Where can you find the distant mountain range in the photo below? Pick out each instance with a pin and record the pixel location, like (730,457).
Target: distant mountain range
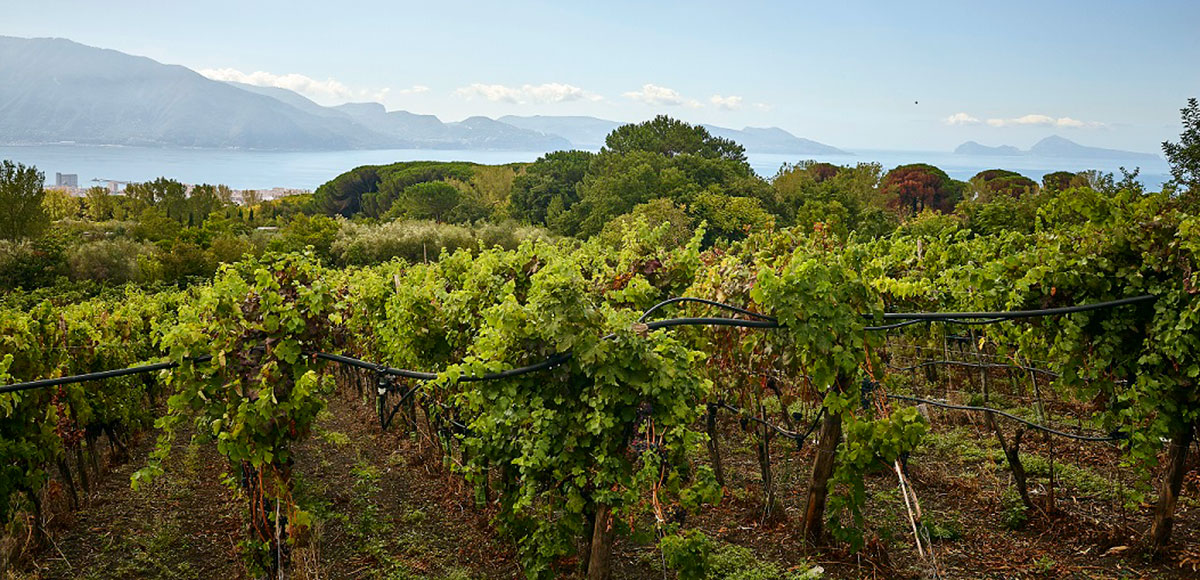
(1054,147)
(59,91)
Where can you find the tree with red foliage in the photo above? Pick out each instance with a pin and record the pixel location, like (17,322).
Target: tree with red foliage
(911,189)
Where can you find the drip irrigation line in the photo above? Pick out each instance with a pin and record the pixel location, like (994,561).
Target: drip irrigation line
(729,307)
(1015,314)
(763,322)
(913,321)
(96,376)
(957,363)
(1116,436)
(670,322)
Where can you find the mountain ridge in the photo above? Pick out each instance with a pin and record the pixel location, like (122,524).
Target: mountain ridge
(54,90)
(1054,146)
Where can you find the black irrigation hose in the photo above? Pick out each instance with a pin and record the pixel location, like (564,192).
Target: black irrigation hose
(776,428)
(1015,314)
(97,376)
(557,359)
(930,363)
(729,307)
(1116,436)
(927,321)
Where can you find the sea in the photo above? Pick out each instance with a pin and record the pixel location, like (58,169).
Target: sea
(243,169)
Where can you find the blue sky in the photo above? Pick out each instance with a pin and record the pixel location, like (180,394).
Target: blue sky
(884,75)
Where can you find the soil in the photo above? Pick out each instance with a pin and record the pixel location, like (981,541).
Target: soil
(386,507)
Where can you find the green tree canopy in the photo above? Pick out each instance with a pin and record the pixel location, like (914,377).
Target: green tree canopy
(1062,180)
(1001,182)
(21,196)
(431,200)
(670,137)
(551,180)
(1184,156)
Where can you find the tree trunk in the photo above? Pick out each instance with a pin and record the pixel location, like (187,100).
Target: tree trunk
(770,503)
(818,488)
(1013,455)
(600,560)
(84,480)
(1164,512)
(65,471)
(39,533)
(714,450)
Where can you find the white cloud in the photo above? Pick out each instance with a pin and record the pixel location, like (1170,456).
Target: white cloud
(658,96)
(1044,121)
(763,107)
(961,119)
(728,103)
(543,93)
(326,91)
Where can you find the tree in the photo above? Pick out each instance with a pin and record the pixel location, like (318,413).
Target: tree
(1062,181)
(1184,156)
(251,198)
(432,200)
(204,200)
(554,176)
(98,204)
(843,198)
(671,137)
(225,194)
(990,183)
(21,196)
(910,189)
(158,191)
(61,205)
(663,158)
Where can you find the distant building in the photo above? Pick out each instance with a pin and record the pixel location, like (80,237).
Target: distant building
(70,180)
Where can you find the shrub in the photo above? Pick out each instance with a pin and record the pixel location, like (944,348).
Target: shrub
(420,241)
(108,261)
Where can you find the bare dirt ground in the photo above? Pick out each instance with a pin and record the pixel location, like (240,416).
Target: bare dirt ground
(387,508)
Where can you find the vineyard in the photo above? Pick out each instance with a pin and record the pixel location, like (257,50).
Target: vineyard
(585,397)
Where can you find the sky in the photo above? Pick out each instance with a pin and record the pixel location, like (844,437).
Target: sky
(910,75)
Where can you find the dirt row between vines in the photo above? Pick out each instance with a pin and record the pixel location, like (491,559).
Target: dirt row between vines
(387,508)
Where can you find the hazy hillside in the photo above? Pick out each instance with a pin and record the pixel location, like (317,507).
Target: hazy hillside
(973,148)
(774,140)
(589,133)
(1054,147)
(582,132)
(54,90)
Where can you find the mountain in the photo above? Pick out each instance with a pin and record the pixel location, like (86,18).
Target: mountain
(485,133)
(582,132)
(589,133)
(774,140)
(973,148)
(55,90)
(1054,147)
